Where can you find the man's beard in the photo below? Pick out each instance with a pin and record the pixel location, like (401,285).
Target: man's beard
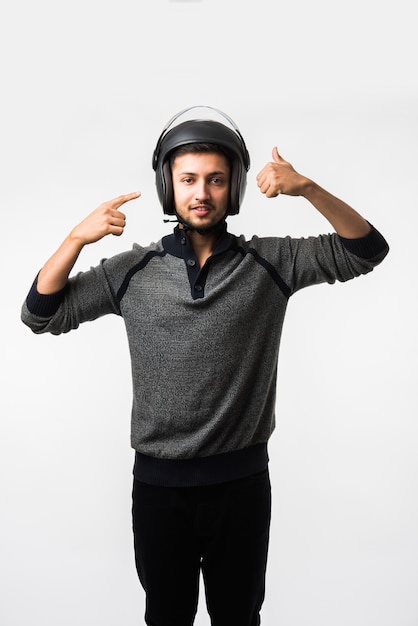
(211,229)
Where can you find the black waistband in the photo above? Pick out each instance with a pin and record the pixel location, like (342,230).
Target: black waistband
(202,470)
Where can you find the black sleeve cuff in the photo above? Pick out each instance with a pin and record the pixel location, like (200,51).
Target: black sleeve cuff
(43,305)
(368,247)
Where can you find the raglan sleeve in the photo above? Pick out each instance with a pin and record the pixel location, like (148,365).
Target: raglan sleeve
(87,296)
(330,258)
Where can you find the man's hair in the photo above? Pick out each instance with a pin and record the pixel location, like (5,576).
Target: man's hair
(199,148)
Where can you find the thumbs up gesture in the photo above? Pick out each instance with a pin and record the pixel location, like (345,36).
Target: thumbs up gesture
(279,176)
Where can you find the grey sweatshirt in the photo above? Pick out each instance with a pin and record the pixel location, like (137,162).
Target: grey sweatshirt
(204,342)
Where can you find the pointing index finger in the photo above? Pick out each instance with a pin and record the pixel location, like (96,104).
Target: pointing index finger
(119,200)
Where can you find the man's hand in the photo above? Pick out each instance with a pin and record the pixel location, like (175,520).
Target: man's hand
(105,220)
(279,176)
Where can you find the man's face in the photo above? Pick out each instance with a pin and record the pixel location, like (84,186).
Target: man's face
(201,188)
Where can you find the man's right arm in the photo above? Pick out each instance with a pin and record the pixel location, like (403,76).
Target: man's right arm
(105,220)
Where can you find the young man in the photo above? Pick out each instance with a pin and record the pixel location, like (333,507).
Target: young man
(203,311)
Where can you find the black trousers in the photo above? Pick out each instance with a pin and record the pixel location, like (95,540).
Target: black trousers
(222,530)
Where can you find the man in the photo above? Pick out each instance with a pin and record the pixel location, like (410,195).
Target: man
(203,311)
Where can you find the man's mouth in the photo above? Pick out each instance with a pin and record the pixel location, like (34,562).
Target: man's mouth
(201,209)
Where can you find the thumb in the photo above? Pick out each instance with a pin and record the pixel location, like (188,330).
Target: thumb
(276,156)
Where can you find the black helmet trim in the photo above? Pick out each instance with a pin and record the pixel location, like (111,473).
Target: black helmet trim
(201,131)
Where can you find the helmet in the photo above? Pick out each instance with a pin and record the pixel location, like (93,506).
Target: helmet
(196,131)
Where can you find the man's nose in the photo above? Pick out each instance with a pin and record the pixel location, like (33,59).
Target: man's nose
(202,190)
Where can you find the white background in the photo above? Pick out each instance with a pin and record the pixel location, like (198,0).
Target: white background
(86,89)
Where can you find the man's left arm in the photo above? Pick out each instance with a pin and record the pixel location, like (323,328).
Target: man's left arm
(280,177)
